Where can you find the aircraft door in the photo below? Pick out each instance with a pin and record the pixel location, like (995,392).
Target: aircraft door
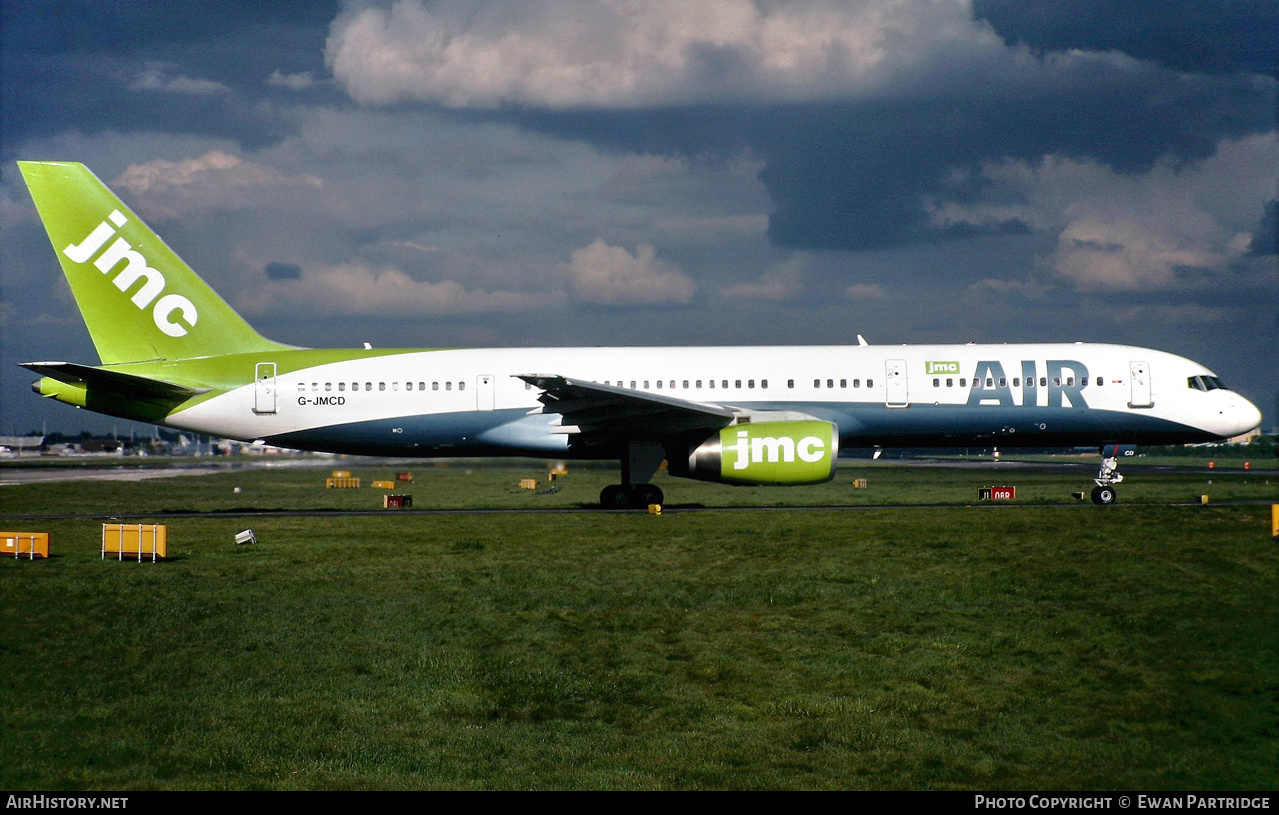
(264,388)
(1139,376)
(895,376)
(485,392)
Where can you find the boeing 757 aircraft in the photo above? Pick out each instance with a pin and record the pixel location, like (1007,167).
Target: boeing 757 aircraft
(173,353)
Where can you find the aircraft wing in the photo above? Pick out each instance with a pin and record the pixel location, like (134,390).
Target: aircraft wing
(605,411)
(118,381)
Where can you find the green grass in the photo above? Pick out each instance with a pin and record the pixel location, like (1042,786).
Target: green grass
(951,647)
(460,484)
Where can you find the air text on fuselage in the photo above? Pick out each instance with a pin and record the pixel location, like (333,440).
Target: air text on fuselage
(1061,381)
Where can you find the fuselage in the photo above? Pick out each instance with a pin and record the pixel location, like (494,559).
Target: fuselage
(470,401)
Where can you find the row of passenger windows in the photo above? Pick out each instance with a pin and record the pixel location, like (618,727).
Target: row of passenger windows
(1003,382)
(368,386)
(709,384)
(634,384)
(724,384)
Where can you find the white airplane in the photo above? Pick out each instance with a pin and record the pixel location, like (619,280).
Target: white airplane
(175,354)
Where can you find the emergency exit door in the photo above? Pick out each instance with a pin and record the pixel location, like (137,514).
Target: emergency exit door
(264,388)
(1139,376)
(485,392)
(897,392)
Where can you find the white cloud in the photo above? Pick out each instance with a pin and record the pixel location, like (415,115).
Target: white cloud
(864,291)
(1128,232)
(605,275)
(359,289)
(162,76)
(294,82)
(623,53)
(167,189)
(782,282)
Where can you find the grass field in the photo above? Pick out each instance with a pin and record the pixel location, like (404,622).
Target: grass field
(940,646)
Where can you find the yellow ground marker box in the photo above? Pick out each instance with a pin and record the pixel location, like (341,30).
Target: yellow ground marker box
(384,485)
(342,483)
(140,540)
(30,545)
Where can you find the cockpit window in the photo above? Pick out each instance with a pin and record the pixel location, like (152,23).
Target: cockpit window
(1205,383)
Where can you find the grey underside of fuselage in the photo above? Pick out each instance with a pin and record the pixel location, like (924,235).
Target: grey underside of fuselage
(516,433)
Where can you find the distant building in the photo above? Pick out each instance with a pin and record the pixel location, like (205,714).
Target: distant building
(1246,438)
(21,444)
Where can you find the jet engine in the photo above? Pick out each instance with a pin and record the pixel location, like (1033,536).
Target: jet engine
(783,452)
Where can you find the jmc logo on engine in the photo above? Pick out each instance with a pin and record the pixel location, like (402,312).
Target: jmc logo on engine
(779,452)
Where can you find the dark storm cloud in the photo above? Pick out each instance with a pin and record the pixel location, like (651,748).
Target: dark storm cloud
(178,67)
(854,175)
(1265,241)
(283,271)
(1202,36)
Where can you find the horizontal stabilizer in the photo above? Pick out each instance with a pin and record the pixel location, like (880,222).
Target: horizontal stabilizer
(104,379)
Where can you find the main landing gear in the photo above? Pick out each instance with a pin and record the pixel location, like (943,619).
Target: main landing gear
(638,465)
(1107,477)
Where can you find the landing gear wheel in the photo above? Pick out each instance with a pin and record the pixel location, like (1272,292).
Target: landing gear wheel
(615,496)
(646,494)
(1103,495)
(636,496)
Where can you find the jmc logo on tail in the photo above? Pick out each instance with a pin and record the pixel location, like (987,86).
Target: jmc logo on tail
(173,314)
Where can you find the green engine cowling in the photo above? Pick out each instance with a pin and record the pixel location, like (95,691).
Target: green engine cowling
(782,452)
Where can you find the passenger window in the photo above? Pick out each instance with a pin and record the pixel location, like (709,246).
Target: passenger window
(843,383)
(448,386)
(950,383)
(763,384)
(368,386)
(381,386)
(790,383)
(870,383)
(936,383)
(750,383)
(461,386)
(738,384)
(328,386)
(341,386)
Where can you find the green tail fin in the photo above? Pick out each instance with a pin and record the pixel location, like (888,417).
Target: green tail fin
(139,300)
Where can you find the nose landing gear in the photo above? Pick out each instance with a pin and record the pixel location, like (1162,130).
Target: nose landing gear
(1107,477)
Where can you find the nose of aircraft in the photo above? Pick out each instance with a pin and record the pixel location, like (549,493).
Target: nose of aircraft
(1244,416)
